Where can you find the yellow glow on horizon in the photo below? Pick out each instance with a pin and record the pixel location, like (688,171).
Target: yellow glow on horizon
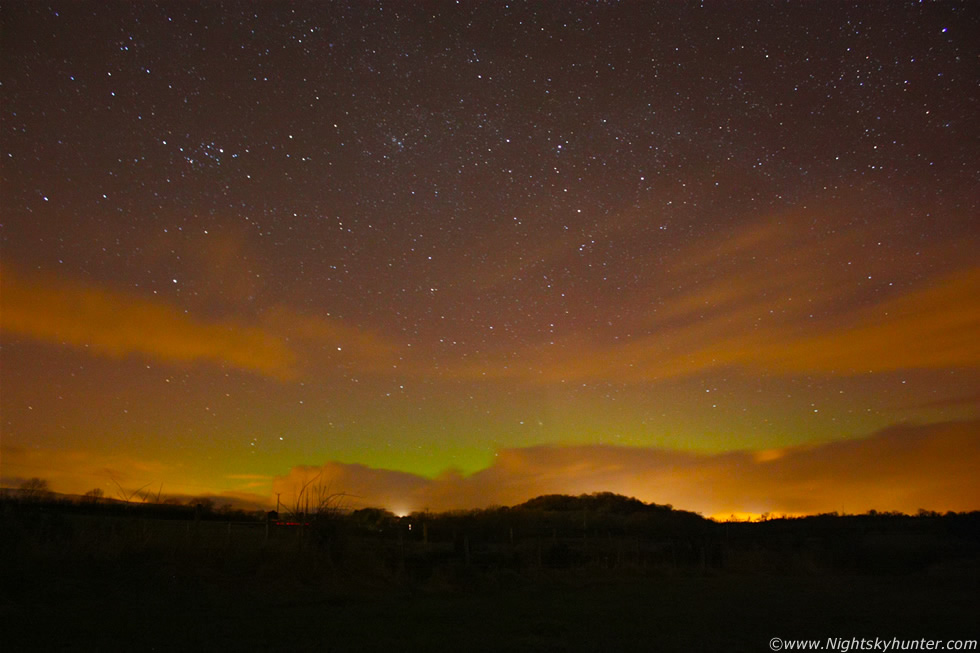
(740,516)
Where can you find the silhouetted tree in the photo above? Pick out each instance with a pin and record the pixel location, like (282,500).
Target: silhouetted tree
(35,489)
(94,495)
(203,505)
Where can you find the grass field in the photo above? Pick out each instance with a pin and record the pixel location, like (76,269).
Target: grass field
(142,584)
(153,604)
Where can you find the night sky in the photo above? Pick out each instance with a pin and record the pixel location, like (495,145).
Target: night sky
(450,254)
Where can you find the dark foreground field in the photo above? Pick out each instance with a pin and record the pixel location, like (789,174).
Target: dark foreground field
(137,584)
(137,606)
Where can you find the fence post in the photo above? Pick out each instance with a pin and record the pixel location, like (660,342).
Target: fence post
(401,552)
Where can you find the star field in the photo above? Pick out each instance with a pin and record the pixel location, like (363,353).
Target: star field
(241,237)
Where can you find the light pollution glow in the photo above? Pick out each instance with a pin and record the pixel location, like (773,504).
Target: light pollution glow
(928,328)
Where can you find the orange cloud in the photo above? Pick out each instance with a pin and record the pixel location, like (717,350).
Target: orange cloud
(900,468)
(934,327)
(775,298)
(338,342)
(120,324)
(120,475)
(77,471)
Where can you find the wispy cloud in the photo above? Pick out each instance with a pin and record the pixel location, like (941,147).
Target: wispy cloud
(122,475)
(119,324)
(329,340)
(904,467)
(933,327)
(108,322)
(79,470)
(774,297)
